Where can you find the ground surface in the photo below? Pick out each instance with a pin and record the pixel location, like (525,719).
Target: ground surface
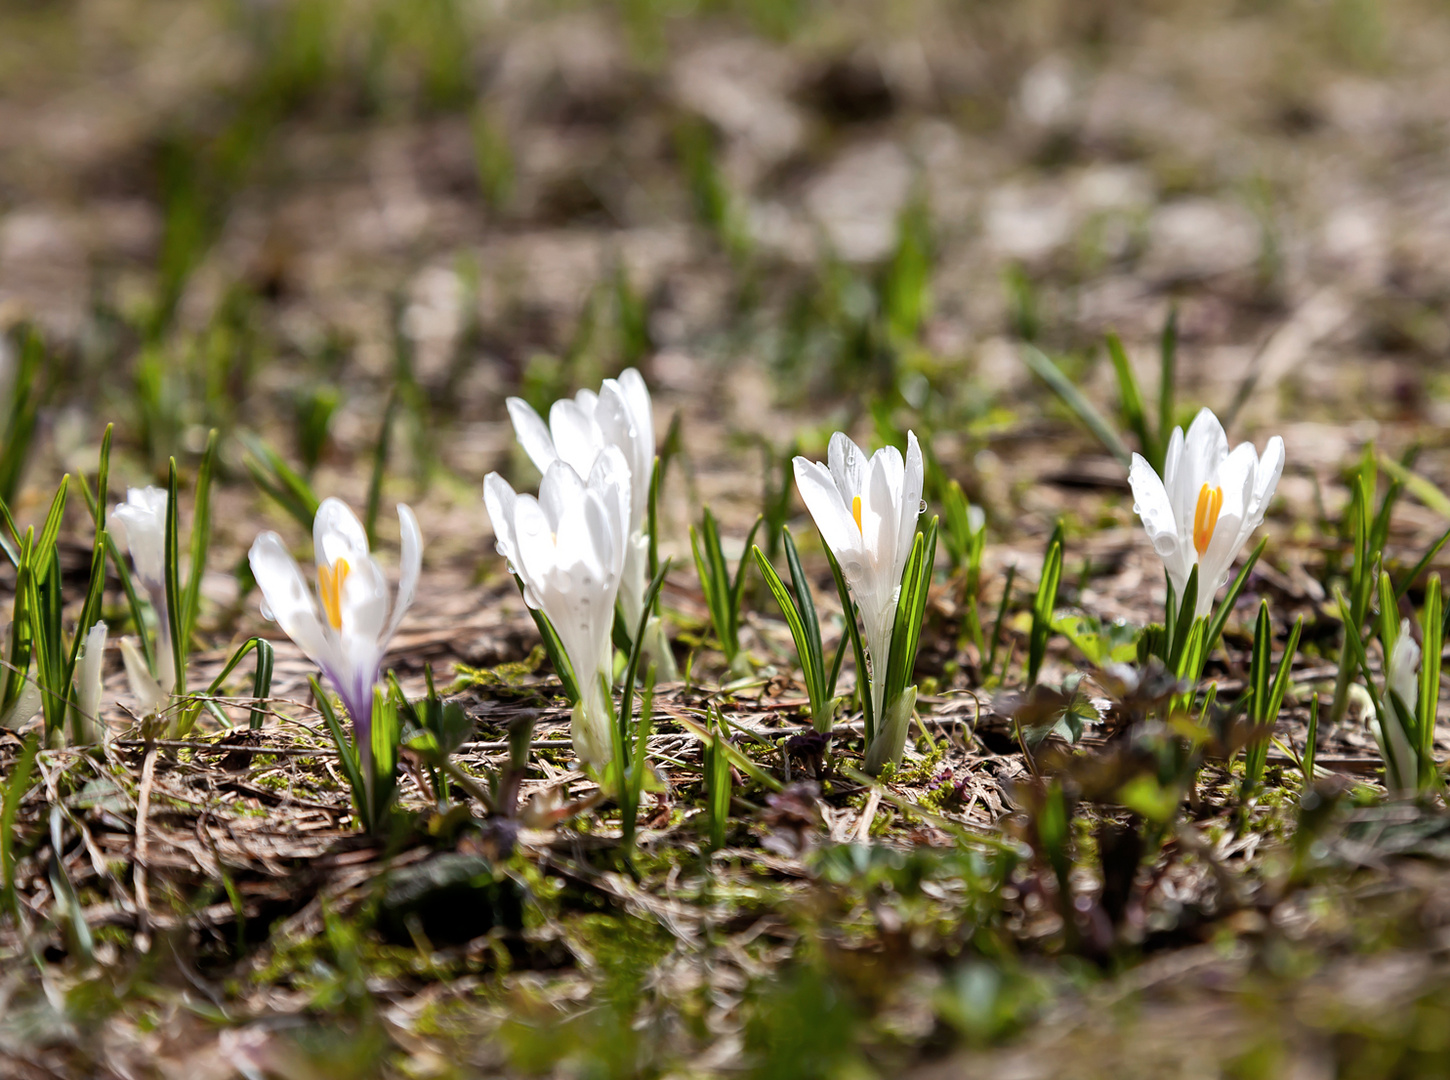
(793,217)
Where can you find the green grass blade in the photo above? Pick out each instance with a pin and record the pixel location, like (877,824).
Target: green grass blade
(1433,628)
(381,450)
(200,537)
(1418,486)
(1168,375)
(631,669)
(1130,400)
(173,613)
(15,789)
(1043,604)
(737,587)
(554,649)
(998,622)
(1073,398)
(1230,598)
(1419,568)
(346,752)
(801,586)
(793,620)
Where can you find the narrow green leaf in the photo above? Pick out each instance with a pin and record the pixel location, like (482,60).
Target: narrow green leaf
(346,752)
(1230,598)
(200,537)
(554,649)
(173,613)
(1074,399)
(1168,376)
(1130,399)
(798,633)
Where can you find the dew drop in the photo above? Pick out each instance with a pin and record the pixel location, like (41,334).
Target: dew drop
(852,568)
(921,507)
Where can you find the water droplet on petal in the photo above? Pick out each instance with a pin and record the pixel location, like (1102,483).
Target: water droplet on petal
(267,612)
(921,507)
(852,568)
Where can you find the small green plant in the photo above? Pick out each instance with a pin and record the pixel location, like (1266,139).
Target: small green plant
(1369,528)
(717,781)
(1265,698)
(723,594)
(965,536)
(799,609)
(23,396)
(278,480)
(1044,604)
(372,774)
(1406,703)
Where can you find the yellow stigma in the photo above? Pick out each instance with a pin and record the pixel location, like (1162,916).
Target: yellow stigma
(1205,518)
(856,511)
(329,587)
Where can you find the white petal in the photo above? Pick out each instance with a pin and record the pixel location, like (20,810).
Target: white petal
(618,428)
(410,567)
(562,487)
(1204,450)
(911,487)
(1266,479)
(848,465)
(499,498)
(89,666)
(636,393)
(1150,503)
(288,598)
(833,518)
(337,533)
(144,687)
(577,439)
(612,480)
(1402,669)
(880,519)
(532,434)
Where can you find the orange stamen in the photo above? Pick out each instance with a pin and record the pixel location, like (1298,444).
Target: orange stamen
(1205,518)
(856,511)
(329,587)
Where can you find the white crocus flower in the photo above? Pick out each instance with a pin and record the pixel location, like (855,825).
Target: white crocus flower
(140,524)
(344,625)
(1402,670)
(568,548)
(579,430)
(866,510)
(86,724)
(1206,504)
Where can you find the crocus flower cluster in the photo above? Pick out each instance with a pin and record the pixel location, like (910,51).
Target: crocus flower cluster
(569,548)
(579,548)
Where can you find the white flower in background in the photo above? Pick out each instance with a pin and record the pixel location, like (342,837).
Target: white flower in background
(140,524)
(568,548)
(86,726)
(344,625)
(866,510)
(1206,504)
(580,429)
(1402,670)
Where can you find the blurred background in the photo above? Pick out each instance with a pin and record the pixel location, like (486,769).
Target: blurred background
(310,223)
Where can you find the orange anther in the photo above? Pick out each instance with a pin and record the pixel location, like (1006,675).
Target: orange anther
(329,587)
(1205,518)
